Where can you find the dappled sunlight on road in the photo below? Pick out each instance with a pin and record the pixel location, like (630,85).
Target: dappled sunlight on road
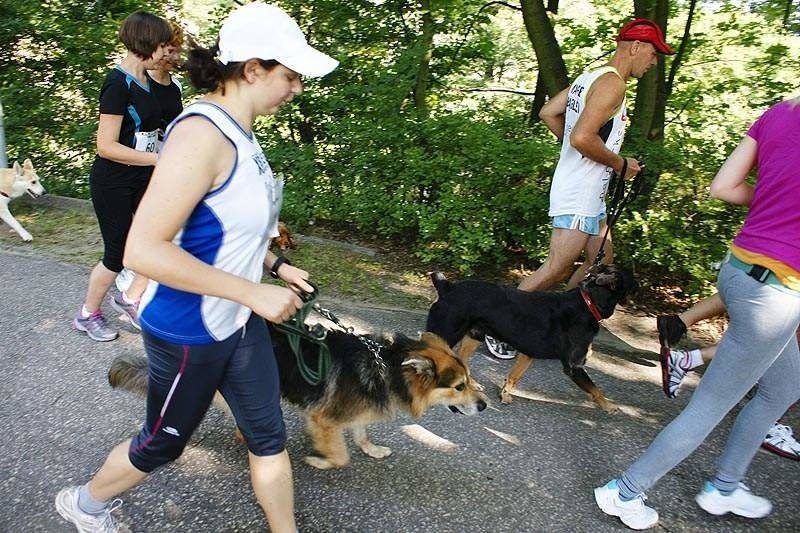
(428,438)
(512,439)
(573,401)
(47,324)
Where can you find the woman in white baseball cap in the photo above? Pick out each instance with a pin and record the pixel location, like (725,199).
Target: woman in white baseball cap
(201,236)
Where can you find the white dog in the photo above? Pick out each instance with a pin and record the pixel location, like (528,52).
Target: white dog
(14,182)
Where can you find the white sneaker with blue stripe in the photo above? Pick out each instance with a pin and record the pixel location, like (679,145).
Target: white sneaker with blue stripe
(633,513)
(740,502)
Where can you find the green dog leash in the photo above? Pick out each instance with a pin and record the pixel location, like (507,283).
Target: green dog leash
(296,329)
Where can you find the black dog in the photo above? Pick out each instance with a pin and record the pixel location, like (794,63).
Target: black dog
(540,325)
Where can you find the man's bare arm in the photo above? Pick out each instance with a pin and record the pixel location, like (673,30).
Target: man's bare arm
(602,101)
(553,113)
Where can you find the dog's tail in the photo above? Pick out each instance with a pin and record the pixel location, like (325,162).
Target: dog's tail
(440,283)
(129,372)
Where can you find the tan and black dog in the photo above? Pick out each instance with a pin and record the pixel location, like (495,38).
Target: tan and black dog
(14,182)
(540,324)
(356,392)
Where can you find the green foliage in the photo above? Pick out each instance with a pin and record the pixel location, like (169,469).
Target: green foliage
(450,187)
(54,56)
(466,184)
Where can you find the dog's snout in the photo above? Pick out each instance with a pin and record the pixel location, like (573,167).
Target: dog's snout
(481,405)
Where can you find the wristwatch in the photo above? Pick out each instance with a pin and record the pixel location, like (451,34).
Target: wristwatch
(273,270)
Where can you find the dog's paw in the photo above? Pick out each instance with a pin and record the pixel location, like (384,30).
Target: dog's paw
(321,462)
(375,451)
(505,396)
(607,406)
(474,385)
(27,237)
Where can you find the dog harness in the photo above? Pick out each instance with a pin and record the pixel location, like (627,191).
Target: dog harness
(580,184)
(229,229)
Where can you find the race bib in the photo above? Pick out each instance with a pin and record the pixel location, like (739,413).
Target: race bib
(147,141)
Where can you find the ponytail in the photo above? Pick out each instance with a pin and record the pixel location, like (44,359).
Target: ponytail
(207,72)
(204,69)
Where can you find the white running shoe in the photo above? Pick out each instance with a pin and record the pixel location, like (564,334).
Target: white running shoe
(499,349)
(781,441)
(67,507)
(671,372)
(633,513)
(740,502)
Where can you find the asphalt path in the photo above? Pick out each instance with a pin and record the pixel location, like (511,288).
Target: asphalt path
(528,466)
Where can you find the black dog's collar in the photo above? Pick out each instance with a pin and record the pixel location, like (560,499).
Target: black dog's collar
(590,304)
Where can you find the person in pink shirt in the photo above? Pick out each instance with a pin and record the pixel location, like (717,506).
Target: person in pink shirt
(759,284)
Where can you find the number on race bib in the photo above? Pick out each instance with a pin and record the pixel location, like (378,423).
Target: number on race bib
(147,141)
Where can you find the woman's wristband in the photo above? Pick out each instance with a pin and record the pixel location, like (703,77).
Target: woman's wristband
(273,270)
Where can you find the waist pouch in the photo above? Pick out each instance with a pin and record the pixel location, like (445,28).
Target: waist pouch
(759,273)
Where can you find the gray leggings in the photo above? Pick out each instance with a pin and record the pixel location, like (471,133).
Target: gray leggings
(758,347)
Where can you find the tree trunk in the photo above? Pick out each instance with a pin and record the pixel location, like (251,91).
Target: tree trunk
(651,96)
(425,44)
(552,70)
(538,100)
(787,13)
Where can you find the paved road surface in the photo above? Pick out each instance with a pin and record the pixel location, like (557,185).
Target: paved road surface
(529,466)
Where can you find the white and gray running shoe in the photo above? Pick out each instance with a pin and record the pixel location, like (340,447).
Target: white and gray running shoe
(499,349)
(131,311)
(671,372)
(67,507)
(95,326)
(780,441)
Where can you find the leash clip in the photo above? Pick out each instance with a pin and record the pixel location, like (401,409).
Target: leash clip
(308,297)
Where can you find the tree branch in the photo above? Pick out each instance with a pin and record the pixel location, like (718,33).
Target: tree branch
(673,68)
(512,91)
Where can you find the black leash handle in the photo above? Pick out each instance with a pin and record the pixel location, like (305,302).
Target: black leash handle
(620,198)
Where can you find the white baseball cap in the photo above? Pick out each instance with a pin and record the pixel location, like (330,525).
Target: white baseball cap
(263,31)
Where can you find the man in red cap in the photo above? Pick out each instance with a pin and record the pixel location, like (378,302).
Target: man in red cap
(589,117)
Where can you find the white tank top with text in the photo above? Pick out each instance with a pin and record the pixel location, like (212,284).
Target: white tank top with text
(579,183)
(230,230)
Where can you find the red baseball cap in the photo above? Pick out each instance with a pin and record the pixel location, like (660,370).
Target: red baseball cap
(646,31)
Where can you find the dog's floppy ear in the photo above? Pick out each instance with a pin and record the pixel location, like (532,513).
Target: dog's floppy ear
(421,365)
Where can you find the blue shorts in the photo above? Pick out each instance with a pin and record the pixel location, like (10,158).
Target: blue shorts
(590,225)
(182,381)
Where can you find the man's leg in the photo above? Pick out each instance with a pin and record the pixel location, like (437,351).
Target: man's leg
(590,252)
(565,247)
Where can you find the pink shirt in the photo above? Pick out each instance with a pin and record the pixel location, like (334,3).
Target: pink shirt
(772,226)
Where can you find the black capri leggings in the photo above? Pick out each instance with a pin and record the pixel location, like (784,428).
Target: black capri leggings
(115,199)
(182,381)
